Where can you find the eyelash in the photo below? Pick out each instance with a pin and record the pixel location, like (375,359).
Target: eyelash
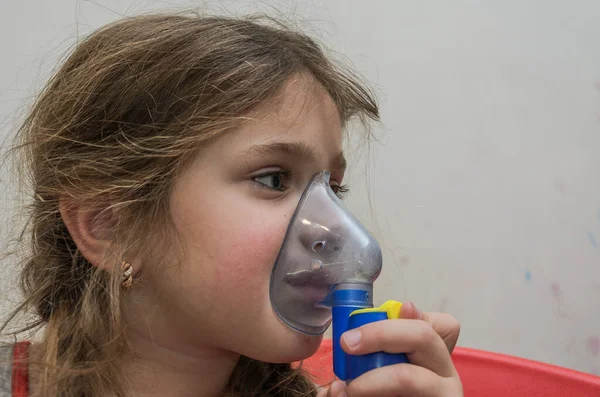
(340,190)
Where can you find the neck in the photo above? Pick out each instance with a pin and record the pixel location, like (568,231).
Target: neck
(165,370)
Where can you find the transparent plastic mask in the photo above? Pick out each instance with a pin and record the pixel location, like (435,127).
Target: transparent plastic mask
(325,247)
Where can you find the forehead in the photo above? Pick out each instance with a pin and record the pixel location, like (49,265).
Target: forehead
(302,111)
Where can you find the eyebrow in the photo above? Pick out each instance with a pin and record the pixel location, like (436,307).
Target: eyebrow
(297,149)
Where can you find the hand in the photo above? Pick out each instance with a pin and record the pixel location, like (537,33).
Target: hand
(426,338)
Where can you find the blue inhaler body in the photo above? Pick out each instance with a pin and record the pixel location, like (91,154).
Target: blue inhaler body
(324,274)
(352,307)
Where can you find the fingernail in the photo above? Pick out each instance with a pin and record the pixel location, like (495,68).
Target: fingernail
(418,313)
(352,338)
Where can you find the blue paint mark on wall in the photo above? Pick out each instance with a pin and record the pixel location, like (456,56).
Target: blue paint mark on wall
(592,239)
(528,276)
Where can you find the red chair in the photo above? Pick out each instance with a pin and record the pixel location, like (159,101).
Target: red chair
(486,374)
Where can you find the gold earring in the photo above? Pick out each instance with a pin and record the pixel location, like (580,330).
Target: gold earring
(126,275)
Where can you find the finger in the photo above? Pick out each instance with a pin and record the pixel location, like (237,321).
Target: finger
(334,390)
(410,312)
(446,326)
(403,380)
(416,338)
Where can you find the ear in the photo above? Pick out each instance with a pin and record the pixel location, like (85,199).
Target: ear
(91,228)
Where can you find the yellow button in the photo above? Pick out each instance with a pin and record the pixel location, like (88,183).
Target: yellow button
(392,308)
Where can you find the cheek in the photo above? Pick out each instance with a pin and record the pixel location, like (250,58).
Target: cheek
(232,244)
(247,253)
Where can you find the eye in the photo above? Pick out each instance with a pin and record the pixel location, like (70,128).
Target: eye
(275,180)
(340,190)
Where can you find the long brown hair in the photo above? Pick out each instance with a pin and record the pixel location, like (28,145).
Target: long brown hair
(114,126)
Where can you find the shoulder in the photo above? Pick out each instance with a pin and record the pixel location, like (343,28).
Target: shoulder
(14,373)
(6,360)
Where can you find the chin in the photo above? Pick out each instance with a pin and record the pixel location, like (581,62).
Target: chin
(287,345)
(298,352)
(298,345)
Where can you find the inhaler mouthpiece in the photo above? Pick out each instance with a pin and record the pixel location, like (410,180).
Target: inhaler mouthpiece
(325,249)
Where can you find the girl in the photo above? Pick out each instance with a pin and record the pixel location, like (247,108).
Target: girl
(167,156)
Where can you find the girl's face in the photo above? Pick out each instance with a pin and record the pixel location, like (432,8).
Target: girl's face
(231,209)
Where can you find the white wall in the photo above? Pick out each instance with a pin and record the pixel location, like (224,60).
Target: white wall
(485,186)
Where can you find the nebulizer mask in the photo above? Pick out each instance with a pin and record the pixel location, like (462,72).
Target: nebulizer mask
(324,275)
